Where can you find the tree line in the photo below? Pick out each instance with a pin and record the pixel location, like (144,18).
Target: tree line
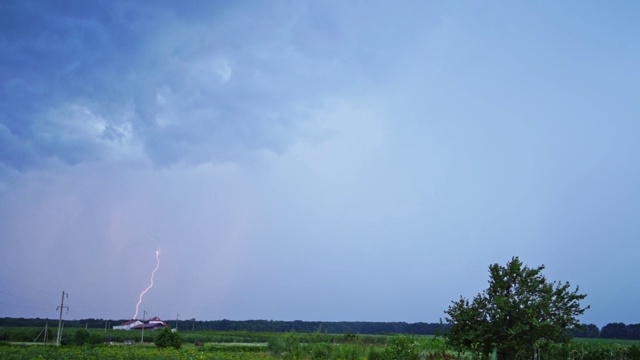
(331,327)
(616,330)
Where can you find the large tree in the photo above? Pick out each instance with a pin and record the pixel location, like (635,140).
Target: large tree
(518,314)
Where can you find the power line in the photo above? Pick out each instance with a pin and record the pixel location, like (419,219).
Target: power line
(24,307)
(22,297)
(85,307)
(25,286)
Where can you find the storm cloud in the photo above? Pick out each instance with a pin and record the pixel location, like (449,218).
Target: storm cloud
(314,160)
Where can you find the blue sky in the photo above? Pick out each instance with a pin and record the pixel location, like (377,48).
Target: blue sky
(315,160)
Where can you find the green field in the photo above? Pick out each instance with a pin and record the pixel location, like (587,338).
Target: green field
(17,343)
(607,341)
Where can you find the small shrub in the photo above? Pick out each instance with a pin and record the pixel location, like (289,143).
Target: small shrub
(320,351)
(84,337)
(348,352)
(276,346)
(403,347)
(292,345)
(168,339)
(350,337)
(376,353)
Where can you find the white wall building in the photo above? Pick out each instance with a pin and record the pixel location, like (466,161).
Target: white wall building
(127,325)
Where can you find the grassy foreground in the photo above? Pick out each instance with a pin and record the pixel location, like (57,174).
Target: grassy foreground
(253,346)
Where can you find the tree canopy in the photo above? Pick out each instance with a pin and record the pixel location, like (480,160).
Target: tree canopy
(518,313)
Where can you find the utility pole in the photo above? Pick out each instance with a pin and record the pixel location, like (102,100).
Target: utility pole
(59,337)
(44,339)
(177,316)
(144,314)
(193,324)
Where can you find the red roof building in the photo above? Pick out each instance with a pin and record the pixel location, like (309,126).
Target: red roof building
(153,324)
(127,325)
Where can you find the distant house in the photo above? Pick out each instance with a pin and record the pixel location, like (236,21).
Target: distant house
(128,325)
(156,320)
(153,324)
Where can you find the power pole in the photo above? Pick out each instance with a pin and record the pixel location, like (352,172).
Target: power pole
(44,339)
(144,314)
(177,316)
(59,337)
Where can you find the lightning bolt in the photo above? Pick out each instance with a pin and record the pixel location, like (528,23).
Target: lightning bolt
(153,273)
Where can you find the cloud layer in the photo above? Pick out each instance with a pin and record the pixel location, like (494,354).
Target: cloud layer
(129,81)
(317,161)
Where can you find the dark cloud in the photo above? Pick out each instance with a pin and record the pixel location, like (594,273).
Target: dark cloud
(54,56)
(498,131)
(84,81)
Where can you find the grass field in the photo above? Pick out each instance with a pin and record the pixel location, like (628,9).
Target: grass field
(249,345)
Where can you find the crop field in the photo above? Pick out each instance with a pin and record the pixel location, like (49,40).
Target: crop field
(607,341)
(17,343)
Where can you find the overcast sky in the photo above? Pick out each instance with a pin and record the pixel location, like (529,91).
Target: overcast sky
(315,160)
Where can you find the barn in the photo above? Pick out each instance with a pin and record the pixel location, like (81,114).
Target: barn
(153,324)
(127,325)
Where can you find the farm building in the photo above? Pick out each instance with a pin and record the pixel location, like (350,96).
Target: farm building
(153,324)
(127,325)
